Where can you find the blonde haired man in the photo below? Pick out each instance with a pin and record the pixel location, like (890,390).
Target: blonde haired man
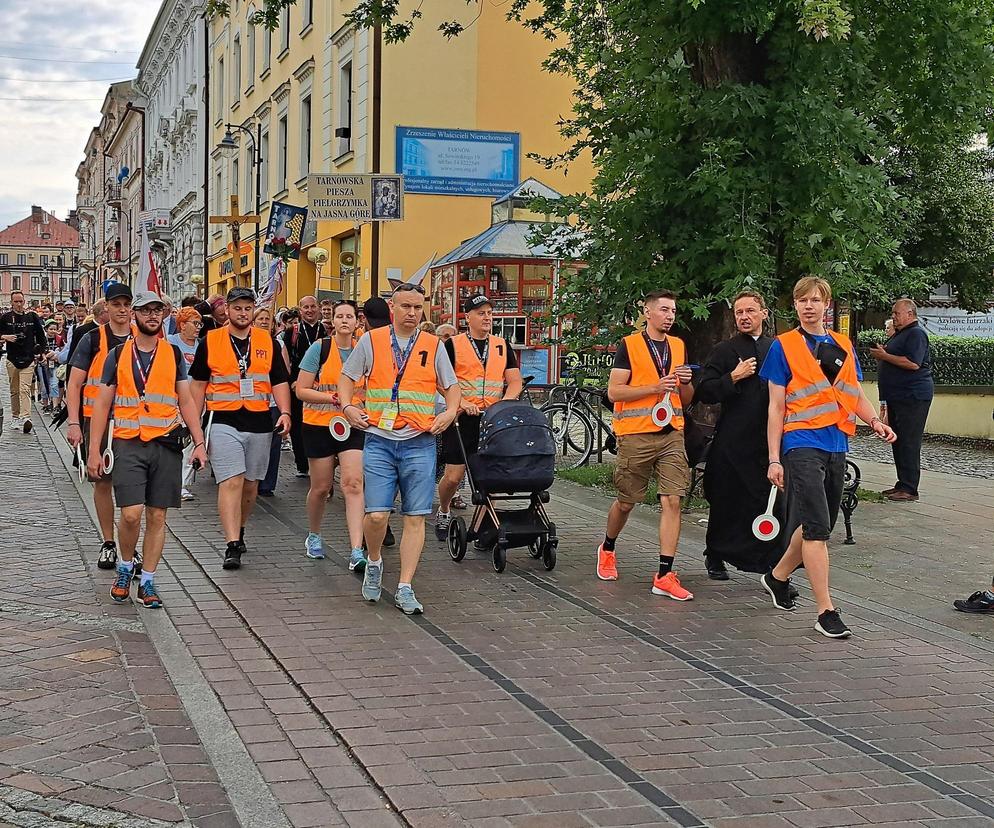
(815,398)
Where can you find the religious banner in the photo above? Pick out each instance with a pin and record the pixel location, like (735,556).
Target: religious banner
(355,198)
(285,232)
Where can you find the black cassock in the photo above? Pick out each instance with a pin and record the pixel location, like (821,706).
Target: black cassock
(735,483)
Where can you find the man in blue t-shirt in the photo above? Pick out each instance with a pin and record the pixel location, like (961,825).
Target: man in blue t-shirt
(905,383)
(815,398)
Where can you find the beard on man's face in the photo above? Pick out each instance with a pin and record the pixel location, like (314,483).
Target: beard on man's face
(150,326)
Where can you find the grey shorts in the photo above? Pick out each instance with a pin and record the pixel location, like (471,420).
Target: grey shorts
(238,452)
(148,474)
(814,481)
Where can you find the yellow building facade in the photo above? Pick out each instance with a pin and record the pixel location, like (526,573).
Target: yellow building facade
(333,100)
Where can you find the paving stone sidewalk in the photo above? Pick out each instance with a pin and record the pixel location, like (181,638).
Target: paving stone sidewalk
(552,699)
(91,732)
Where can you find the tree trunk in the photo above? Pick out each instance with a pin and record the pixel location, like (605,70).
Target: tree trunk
(737,57)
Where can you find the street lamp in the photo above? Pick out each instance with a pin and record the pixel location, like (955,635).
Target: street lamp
(228,143)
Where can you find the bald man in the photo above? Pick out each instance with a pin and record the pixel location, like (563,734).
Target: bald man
(905,383)
(306,332)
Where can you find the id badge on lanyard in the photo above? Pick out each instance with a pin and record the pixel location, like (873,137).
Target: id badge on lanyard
(388,419)
(246,388)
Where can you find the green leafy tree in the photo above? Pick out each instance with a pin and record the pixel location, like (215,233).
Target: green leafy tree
(745,143)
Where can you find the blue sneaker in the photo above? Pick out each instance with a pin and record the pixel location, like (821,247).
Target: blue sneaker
(314,546)
(121,591)
(405,601)
(372,583)
(357,560)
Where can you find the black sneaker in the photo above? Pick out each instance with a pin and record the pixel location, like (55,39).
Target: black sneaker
(442,526)
(979,602)
(233,555)
(138,566)
(108,556)
(28,425)
(831,625)
(779,591)
(716,568)
(388,538)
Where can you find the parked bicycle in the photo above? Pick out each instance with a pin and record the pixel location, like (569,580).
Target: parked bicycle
(575,416)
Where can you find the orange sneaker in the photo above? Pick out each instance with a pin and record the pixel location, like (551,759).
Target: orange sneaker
(607,567)
(669,585)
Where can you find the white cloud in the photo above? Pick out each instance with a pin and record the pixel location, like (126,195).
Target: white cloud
(42,141)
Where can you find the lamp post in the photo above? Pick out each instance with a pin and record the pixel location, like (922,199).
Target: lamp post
(229,143)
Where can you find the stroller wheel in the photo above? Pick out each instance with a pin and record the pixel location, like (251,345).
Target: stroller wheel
(456,539)
(500,557)
(549,553)
(536,546)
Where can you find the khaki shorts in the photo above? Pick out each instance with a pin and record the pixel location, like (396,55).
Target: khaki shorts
(642,455)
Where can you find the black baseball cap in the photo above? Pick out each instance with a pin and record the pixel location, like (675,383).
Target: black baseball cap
(475,302)
(377,312)
(117,290)
(237,293)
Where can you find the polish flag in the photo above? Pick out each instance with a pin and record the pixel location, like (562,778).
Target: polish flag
(148,276)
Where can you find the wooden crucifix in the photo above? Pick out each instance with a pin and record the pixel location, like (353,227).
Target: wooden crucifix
(235,222)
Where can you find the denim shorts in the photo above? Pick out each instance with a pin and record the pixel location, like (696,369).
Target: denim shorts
(814,481)
(405,464)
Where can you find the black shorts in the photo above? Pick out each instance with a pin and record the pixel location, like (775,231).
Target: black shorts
(318,442)
(469,430)
(85,447)
(148,474)
(814,481)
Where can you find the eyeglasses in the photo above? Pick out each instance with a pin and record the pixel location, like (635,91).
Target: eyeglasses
(197,324)
(407,286)
(150,311)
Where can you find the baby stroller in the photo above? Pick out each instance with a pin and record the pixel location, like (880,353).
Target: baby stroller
(515,463)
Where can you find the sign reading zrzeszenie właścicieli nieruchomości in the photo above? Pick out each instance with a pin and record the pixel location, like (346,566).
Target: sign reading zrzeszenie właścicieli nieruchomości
(360,197)
(458,161)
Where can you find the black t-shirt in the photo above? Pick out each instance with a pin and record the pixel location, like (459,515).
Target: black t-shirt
(89,346)
(30,337)
(299,340)
(250,422)
(624,362)
(512,358)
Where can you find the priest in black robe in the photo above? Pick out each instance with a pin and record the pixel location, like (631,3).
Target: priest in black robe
(735,483)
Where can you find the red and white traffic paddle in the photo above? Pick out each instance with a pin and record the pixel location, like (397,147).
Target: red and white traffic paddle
(340,428)
(766,527)
(662,412)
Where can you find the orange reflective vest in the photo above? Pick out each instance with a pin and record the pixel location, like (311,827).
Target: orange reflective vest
(223,389)
(92,384)
(326,381)
(416,394)
(635,416)
(155,414)
(813,402)
(480,385)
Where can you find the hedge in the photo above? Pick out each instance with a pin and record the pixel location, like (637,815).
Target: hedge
(956,360)
(954,347)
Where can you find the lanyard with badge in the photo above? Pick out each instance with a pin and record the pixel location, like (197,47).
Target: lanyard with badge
(483,356)
(246,385)
(662,411)
(389,416)
(141,375)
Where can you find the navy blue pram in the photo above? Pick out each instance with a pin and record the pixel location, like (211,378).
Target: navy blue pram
(515,463)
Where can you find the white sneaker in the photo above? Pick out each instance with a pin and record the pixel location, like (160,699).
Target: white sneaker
(186,494)
(16,423)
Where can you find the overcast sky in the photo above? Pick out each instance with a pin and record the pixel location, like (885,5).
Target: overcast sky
(53,50)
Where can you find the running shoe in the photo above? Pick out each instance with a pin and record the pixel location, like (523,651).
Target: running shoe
(15,423)
(979,602)
(314,547)
(186,494)
(148,597)
(442,522)
(372,582)
(779,591)
(107,559)
(357,560)
(830,624)
(233,556)
(137,565)
(121,590)
(607,565)
(388,538)
(669,585)
(28,425)
(405,601)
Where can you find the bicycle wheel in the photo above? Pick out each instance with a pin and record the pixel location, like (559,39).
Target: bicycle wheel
(573,434)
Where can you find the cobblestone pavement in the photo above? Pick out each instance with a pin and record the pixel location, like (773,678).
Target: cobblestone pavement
(936,456)
(552,699)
